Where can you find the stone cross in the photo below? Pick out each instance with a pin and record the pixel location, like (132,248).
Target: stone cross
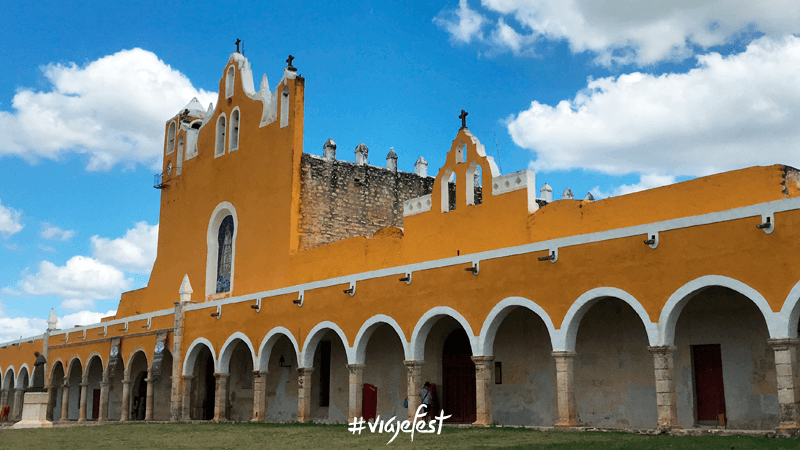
(289,60)
(463,118)
(237,44)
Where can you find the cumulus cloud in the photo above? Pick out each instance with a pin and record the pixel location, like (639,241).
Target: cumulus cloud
(78,283)
(82,318)
(53,233)
(10,221)
(113,110)
(12,328)
(727,113)
(135,252)
(645,182)
(619,31)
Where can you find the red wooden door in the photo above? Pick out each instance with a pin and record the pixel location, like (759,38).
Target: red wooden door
(458,378)
(95,403)
(708,385)
(369,402)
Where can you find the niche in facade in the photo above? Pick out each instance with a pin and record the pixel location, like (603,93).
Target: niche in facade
(234,130)
(229,82)
(225,255)
(219,148)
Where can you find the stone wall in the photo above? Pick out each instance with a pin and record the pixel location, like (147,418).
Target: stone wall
(340,199)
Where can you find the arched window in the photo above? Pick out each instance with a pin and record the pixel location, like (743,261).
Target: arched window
(180,153)
(225,255)
(473,184)
(448,191)
(234,130)
(219,149)
(171,138)
(229,83)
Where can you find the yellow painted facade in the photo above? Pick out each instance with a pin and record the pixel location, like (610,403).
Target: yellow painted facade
(706,229)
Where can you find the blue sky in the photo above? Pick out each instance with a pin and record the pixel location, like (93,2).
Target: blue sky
(609,97)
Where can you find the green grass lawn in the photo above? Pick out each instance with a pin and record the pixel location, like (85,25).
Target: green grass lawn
(330,437)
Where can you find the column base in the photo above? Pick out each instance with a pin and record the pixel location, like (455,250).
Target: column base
(481,423)
(566,425)
(788,429)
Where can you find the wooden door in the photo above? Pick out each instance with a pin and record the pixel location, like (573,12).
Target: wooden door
(369,402)
(458,378)
(708,384)
(95,404)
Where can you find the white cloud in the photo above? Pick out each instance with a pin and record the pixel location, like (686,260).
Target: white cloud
(621,31)
(135,252)
(79,282)
(53,233)
(649,181)
(10,221)
(11,328)
(46,248)
(82,318)
(729,112)
(113,109)
(463,23)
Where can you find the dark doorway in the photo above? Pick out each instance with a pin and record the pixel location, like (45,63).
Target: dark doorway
(95,404)
(325,373)
(458,378)
(708,385)
(369,401)
(139,404)
(208,404)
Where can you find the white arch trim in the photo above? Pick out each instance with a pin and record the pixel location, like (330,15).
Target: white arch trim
(140,349)
(193,350)
(212,245)
(18,383)
(564,340)
(369,327)
(6,378)
(313,338)
(500,311)
(265,349)
(71,365)
(53,366)
(426,322)
(790,313)
(227,350)
(672,309)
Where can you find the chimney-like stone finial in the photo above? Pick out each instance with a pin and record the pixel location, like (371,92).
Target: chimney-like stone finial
(421,167)
(589,197)
(52,321)
(546,193)
(567,195)
(362,153)
(186,290)
(391,160)
(329,150)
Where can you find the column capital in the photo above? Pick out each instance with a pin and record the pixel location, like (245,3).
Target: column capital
(413,363)
(783,343)
(221,374)
(126,381)
(353,368)
(260,373)
(5,390)
(562,354)
(482,359)
(187,377)
(105,384)
(66,384)
(656,349)
(305,370)
(84,383)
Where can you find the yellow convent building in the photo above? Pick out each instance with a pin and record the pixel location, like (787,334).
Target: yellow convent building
(295,287)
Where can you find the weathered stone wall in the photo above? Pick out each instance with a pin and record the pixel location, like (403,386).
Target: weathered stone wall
(341,200)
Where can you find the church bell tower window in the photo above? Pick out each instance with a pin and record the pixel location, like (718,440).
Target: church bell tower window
(225,257)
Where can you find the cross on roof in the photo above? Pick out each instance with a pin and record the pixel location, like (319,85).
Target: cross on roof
(237,44)
(463,118)
(289,60)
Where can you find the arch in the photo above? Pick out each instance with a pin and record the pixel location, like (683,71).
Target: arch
(132,355)
(229,80)
(219,143)
(191,355)
(473,179)
(234,134)
(499,312)
(668,319)
(313,338)
(445,181)
(265,349)
(92,356)
(227,350)
(219,214)
(790,313)
(23,369)
(170,147)
(7,380)
(369,327)
(423,327)
(565,339)
(56,362)
(71,364)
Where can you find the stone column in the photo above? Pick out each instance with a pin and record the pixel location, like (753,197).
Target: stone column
(565,378)
(483,389)
(18,399)
(221,397)
(259,396)
(148,408)
(356,391)
(52,391)
(304,394)
(176,394)
(666,398)
(82,407)
(126,398)
(3,396)
(186,401)
(102,414)
(414,383)
(786,368)
(65,402)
